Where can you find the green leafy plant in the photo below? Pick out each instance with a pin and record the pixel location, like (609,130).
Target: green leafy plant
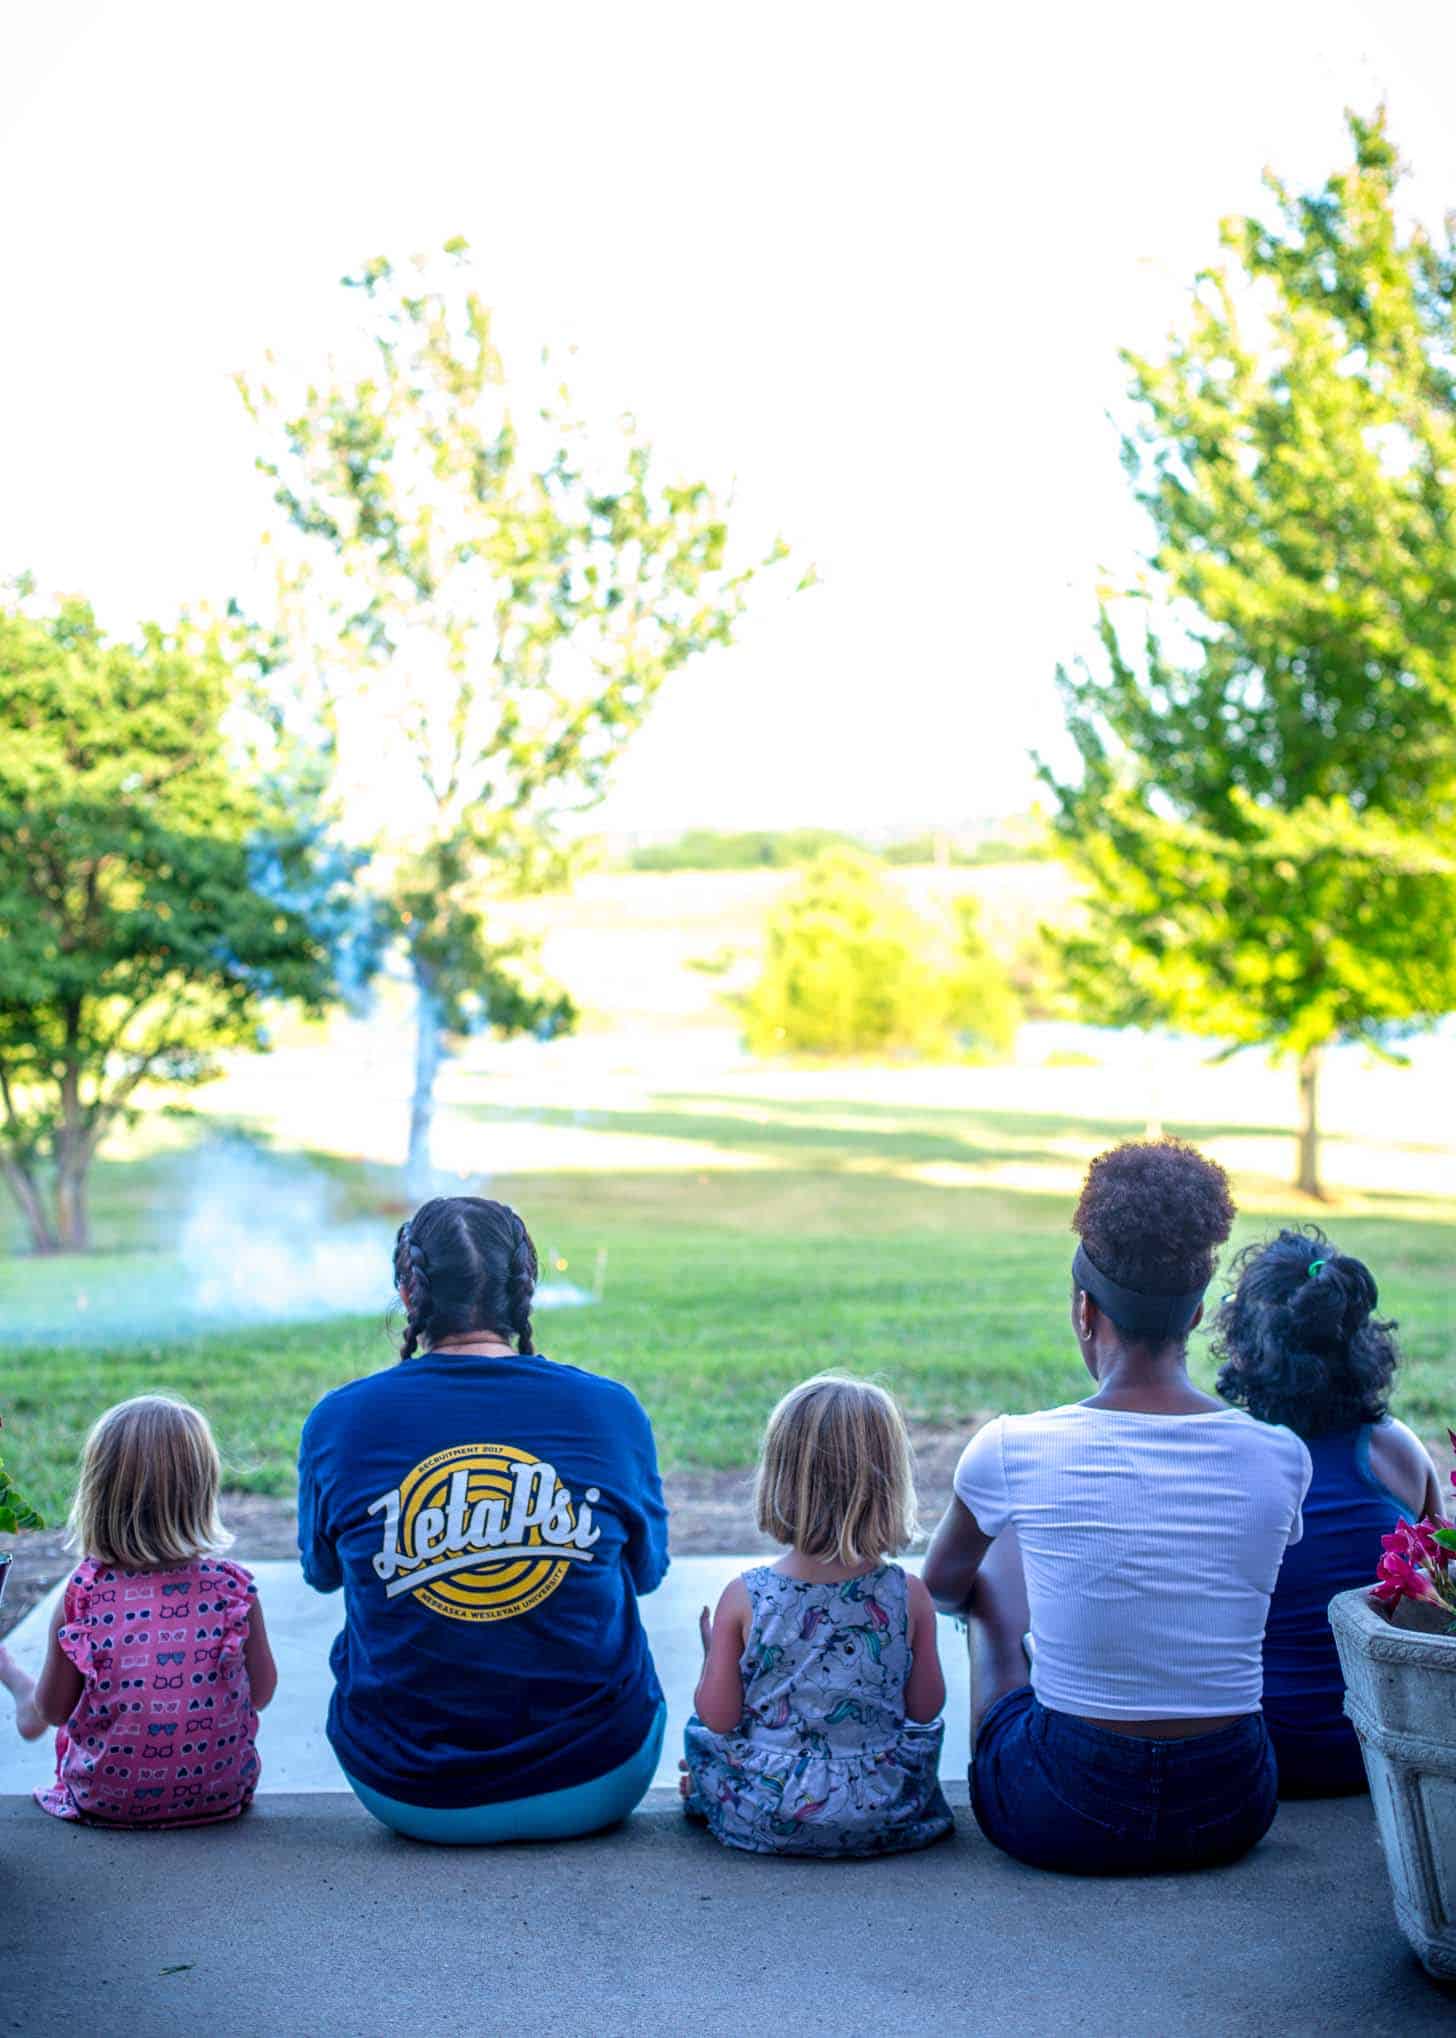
(16,1511)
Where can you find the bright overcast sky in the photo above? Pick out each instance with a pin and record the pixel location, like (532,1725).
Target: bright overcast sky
(875,262)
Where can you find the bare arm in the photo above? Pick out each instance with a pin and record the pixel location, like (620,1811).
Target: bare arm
(925,1686)
(258,1659)
(1401,1461)
(50,1699)
(957,1551)
(718,1700)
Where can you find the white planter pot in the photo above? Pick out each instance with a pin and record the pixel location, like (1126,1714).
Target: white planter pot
(1400,1694)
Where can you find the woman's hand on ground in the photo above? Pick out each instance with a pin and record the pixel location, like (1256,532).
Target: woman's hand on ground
(684,1782)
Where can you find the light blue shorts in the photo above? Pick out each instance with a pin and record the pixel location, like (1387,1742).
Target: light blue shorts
(553,1815)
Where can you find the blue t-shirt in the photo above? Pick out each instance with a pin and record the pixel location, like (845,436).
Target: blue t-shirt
(491,1521)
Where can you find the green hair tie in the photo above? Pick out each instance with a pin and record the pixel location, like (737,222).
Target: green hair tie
(1314,1267)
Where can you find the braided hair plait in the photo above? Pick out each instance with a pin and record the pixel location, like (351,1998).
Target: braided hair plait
(412,1278)
(465,1269)
(521,1287)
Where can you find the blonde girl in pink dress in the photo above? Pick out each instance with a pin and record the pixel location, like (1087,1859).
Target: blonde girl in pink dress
(158,1662)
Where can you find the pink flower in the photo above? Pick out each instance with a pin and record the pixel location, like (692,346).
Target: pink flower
(1409,1582)
(1416,1541)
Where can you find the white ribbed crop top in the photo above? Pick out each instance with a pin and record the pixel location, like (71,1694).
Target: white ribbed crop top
(1151,1544)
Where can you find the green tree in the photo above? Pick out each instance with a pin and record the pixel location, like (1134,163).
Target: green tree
(509,592)
(1265,812)
(847,967)
(145,905)
(982,1008)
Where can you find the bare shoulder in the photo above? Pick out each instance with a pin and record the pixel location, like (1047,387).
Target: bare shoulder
(1401,1461)
(917,1595)
(734,1603)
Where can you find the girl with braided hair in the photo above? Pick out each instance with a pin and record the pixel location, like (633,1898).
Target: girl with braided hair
(492,1519)
(1302,1345)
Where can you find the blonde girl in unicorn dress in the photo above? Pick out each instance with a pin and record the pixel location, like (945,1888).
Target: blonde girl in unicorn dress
(817,1724)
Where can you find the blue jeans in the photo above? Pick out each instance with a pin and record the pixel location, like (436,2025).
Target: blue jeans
(1059,1793)
(551,1815)
(1319,1761)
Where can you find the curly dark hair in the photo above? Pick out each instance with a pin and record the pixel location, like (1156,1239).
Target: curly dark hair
(462,1264)
(1152,1215)
(1299,1338)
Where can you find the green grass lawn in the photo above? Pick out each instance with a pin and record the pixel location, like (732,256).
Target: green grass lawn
(812,1248)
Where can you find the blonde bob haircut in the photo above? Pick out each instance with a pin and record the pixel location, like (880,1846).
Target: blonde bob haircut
(147,1497)
(834,1477)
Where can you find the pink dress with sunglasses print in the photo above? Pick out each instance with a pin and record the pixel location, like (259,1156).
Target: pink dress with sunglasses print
(163,1732)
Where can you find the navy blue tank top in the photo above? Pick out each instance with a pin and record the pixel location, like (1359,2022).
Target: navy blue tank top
(1346,1512)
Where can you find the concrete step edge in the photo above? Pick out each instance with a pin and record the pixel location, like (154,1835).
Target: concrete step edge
(660,1802)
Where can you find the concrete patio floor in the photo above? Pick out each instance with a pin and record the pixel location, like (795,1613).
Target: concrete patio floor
(307,1918)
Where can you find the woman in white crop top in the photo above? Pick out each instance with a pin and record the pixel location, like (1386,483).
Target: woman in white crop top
(1137,1535)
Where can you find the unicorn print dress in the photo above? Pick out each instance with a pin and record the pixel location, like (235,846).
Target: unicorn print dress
(824,1760)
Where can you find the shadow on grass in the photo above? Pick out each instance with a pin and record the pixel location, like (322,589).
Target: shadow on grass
(1033,1124)
(808,1135)
(758,1128)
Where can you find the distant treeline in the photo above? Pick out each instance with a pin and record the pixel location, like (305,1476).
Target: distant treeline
(787,848)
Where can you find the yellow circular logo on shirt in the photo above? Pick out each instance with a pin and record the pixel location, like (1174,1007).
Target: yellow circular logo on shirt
(482,1532)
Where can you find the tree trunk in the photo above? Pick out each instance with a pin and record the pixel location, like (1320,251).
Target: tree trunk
(73,1149)
(419,1168)
(1308,1178)
(26,1191)
(75,1145)
(73,1215)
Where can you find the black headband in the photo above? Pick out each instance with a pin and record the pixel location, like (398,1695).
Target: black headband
(1130,1310)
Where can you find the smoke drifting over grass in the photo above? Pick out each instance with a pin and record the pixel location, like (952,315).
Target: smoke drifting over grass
(252,1238)
(262,1241)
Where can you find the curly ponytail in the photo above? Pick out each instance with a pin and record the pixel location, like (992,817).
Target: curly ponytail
(464,1266)
(1299,1338)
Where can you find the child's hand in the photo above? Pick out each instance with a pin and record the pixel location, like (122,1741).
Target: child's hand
(705,1628)
(28,1721)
